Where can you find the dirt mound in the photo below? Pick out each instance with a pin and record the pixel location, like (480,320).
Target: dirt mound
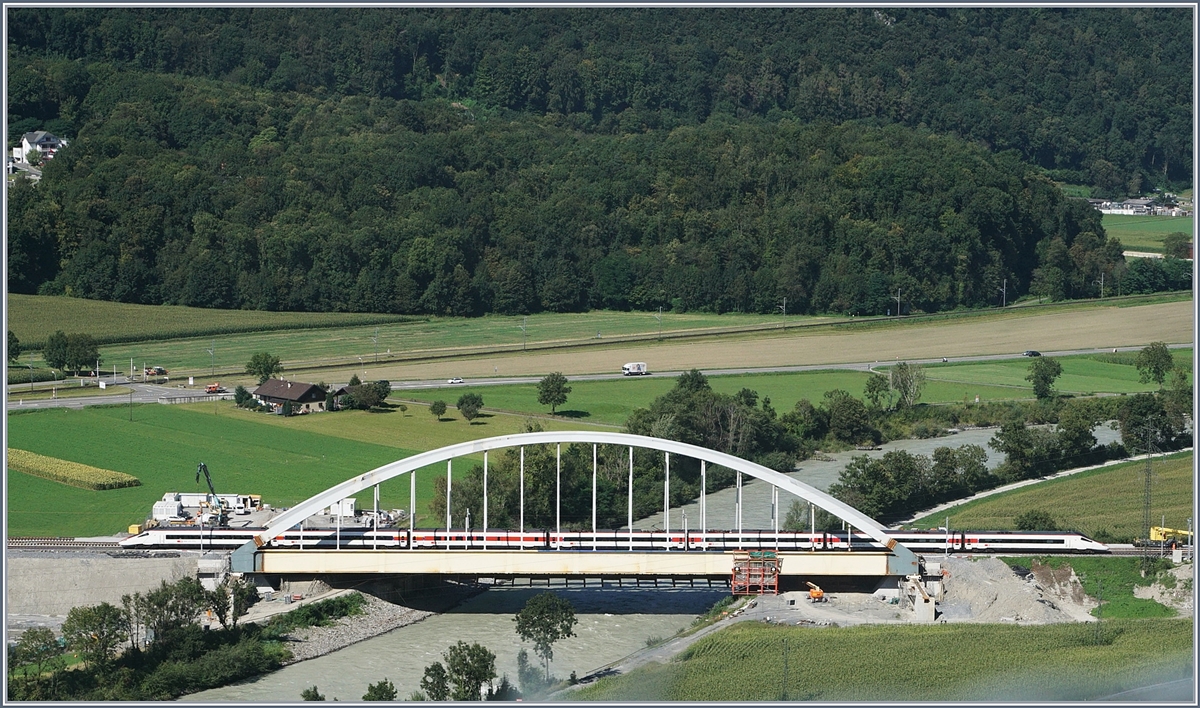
(988,590)
(1175,593)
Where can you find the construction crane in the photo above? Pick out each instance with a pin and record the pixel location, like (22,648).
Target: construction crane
(222,512)
(815,593)
(1160,534)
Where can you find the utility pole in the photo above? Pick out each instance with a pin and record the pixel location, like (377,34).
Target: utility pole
(524,322)
(375,341)
(783,307)
(659,318)
(785,670)
(1004,294)
(897,299)
(1150,431)
(1101,284)
(212,357)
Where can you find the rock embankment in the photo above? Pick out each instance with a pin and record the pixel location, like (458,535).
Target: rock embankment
(379,617)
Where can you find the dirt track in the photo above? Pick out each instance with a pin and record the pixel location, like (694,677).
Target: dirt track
(1098,327)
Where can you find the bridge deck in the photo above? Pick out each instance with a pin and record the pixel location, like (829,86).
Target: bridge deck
(561,563)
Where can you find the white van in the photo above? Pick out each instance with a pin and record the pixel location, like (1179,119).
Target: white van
(637,368)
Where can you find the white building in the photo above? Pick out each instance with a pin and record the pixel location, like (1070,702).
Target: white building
(45,143)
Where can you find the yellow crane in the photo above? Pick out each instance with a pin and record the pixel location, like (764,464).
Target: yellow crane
(1162,534)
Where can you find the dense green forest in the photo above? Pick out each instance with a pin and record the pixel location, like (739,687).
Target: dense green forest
(472,161)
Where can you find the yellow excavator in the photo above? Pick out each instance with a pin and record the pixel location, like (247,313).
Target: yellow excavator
(815,593)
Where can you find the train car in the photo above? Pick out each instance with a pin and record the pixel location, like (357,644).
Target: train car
(1034,543)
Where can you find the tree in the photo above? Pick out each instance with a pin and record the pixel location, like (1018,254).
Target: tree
(545,619)
(907,380)
(14,349)
(1035,520)
(436,683)
(1042,373)
(878,389)
(469,667)
(82,352)
(1154,362)
(437,409)
(553,390)
(264,366)
(848,418)
(241,396)
(39,651)
(311,694)
(469,405)
(94,632)
(55,351)
(1176,244)
(380,691)
(354,380)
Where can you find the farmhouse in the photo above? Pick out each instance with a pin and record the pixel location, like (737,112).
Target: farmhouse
(304,397)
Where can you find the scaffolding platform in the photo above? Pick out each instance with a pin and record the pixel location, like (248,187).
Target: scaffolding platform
(755,573)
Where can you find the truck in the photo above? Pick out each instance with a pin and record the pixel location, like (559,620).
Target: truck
(636,368)
(214,388)
(155,371)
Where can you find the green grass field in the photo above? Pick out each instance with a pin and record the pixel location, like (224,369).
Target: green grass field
(611,402)
(286,460)
(1112,580)
(1107,499)
(956,662)
(1144,233)
(1084,374)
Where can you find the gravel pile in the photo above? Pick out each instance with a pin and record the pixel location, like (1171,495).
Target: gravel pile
(988,590)
(379,617)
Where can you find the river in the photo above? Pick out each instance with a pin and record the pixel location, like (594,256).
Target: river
(613,623)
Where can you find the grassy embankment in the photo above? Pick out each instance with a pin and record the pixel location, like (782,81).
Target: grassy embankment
(1144,233)
(1105,502)
(905,663)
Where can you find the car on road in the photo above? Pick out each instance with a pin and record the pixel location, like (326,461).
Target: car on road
(1031,352)
(455,380)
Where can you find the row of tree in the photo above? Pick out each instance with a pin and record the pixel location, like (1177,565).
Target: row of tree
(150,648)
(1099,95)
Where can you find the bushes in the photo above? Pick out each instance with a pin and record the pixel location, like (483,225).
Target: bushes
(20,376)
(314,615)
(72,473)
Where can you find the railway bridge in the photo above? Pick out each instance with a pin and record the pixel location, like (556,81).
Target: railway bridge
(486,557)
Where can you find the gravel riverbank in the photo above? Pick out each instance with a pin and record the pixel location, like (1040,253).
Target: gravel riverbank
(379,617)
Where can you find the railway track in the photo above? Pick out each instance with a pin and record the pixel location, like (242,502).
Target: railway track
(60,543)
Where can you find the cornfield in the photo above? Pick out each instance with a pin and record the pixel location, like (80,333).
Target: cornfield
(72,473)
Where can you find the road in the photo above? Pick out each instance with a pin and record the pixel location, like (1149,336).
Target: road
(150,393)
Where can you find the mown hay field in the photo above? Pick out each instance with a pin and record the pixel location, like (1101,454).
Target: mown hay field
(1108,499)
(1095,326)
(33,317)
(1144,233)
(71,473)
(955,662)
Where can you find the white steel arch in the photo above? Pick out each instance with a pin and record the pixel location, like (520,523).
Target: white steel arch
(905,562)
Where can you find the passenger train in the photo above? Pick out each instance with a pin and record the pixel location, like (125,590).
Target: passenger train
(1036,543)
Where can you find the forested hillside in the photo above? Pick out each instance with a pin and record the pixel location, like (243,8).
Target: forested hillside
(472,161)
